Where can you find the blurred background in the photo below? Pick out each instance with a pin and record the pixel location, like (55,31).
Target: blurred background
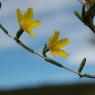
(19,69)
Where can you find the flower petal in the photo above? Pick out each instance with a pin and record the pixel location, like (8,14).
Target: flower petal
(19,15)
(59,52)
(61,43)
(53,39)
(34,24)
(28,14)
(31,33)
(28,26)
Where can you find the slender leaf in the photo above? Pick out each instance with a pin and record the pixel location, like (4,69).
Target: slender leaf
(82,65)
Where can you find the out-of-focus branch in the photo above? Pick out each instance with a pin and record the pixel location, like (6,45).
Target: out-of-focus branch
(78,15)
(45,57)
(87,17)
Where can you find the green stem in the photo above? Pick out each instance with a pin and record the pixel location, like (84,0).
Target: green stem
(43,57)
(19,33)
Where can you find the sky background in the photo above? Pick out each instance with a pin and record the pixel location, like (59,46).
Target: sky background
(18,68)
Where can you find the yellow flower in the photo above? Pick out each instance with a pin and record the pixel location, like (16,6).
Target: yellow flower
(54,45)
(25,21)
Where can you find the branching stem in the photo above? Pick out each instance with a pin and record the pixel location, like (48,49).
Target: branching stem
(44,57)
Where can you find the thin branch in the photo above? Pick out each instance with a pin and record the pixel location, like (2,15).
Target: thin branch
(44,57)
(91,28)
(87,17)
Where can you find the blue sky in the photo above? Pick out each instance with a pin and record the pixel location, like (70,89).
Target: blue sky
(19,68)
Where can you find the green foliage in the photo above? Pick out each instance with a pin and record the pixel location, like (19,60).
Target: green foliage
(78,15)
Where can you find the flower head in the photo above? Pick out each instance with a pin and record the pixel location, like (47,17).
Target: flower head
(54,45)
(25,21)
